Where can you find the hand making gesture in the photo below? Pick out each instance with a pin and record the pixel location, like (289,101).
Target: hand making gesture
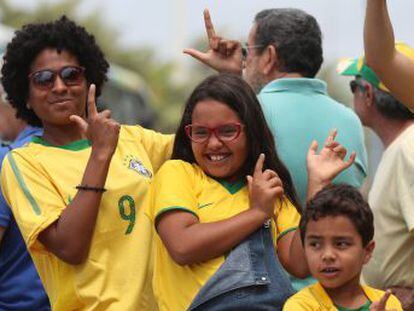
(381,304)
(324,167)
(99,128)
(222,55)
(264,188)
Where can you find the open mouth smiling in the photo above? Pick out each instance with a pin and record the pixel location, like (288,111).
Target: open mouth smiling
(217,157)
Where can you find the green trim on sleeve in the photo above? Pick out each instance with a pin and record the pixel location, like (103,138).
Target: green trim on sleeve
(74,146)
(23,185)
(173,208)
(283,233)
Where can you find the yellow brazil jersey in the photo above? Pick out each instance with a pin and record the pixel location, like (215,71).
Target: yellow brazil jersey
(315,298)
(39,180)
(182,186)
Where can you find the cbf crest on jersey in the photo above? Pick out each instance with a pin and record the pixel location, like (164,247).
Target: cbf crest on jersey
(134,164)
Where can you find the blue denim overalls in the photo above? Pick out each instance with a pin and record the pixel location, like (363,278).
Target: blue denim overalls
(251,278)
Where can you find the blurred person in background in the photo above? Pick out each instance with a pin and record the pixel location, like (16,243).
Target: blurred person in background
(394,67)
(20,285)
(76,190)
(280,60)
(392,192)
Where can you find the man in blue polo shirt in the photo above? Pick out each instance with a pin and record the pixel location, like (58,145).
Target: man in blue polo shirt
(20,286)
(280,60)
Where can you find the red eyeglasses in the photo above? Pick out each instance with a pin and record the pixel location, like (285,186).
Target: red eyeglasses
(45,79)
(225,132)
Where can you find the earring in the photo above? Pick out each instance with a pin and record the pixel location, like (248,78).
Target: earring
(28,106)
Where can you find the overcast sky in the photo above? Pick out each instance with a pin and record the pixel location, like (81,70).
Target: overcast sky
(170,25)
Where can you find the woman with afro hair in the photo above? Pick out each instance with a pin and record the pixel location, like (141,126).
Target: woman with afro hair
(76,191)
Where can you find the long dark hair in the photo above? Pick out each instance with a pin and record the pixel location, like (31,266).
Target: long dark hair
(237,94)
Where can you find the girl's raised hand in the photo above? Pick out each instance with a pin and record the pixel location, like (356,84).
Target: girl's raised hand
(264,188)
(99,128)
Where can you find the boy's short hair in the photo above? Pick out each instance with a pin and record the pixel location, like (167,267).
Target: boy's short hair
(340,200)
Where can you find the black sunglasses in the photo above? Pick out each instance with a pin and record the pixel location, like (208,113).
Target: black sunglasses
(354,85)
(246,47)
(45,79)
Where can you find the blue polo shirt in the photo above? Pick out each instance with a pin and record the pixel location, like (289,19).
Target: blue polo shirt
(298,111)
(20,286)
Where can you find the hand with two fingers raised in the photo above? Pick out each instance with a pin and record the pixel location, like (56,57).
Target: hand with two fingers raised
(265,187)
(99,128)
(223,55)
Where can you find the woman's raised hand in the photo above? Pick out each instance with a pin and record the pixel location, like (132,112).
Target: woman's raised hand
(264,188)
(223,55)
(99,128)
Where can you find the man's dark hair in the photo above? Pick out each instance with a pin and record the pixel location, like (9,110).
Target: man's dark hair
(234,92)
(390,107)
(340,200)
(296,37)
(63,35)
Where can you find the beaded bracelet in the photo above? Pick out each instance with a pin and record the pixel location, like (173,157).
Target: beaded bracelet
(89,188)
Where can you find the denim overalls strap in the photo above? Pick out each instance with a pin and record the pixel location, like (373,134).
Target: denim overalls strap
(251,278)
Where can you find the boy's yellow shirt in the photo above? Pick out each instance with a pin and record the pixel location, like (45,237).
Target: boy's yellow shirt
(39,181)
(179,185)
(315,298)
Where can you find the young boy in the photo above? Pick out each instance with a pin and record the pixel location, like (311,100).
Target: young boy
(337,230)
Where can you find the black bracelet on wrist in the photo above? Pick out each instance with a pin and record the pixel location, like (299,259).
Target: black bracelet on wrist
(89,188)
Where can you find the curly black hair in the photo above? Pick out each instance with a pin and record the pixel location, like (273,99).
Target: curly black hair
(62,34)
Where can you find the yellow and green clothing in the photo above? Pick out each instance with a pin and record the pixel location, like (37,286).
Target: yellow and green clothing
(315,298)
(38,182)
(183,186)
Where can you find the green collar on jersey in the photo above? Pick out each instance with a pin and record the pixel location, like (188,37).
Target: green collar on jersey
(232,187)
(76,145)
(364,307)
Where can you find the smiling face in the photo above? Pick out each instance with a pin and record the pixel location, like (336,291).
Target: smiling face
(217,158)
(55,105)
(334,252)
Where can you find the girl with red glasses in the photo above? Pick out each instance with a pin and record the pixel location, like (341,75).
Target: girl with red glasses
(225,208)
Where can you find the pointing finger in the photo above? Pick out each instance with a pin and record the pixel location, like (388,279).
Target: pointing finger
(383,300)
(259,165)
(92,110)
(209,25)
